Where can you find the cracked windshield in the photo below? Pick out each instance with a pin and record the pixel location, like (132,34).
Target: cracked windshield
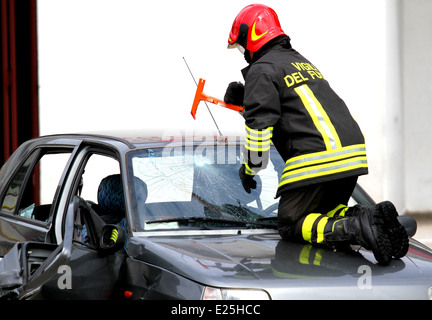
(199,188)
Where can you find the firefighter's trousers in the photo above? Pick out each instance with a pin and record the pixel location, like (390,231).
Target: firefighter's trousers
(306,214)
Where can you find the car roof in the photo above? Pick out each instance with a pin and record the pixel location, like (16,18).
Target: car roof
(135,139)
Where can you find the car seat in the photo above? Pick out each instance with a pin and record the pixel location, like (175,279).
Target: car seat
(111,198)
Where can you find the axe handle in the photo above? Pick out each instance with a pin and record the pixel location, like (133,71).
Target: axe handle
(222,103)
(234,107)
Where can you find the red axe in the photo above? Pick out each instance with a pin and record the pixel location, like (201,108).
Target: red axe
(199,95)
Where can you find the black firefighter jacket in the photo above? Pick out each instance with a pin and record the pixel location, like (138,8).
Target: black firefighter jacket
(288,102)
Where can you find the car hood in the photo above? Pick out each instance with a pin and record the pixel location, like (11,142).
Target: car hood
(286,269)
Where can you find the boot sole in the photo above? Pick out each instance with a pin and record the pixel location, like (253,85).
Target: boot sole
(375,236)
(396,232)
(383,247)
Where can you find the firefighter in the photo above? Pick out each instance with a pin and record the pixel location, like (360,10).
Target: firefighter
(288,102)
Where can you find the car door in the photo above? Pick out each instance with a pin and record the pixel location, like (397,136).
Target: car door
(86,269)
(90,273)
(28,266)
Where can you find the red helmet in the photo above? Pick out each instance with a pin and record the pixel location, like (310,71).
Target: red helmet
(253,27)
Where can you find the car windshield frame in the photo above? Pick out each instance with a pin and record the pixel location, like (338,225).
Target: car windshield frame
(202,177)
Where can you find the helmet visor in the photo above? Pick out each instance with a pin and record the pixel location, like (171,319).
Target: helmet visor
(238,46)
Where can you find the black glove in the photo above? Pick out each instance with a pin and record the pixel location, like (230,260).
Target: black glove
(247,180)
(234,94)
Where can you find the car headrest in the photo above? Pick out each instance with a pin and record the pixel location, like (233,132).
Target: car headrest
(110,194)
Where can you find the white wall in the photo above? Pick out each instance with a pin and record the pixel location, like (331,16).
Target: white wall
(417,101)
(111,64)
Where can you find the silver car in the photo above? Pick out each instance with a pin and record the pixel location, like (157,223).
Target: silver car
(164,216)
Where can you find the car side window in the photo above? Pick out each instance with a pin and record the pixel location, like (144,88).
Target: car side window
(10,199)
(31,191)
(97,168)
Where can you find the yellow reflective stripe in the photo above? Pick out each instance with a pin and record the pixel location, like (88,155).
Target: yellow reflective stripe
(258,140)
(319,117)
(324,163)
(342,213)
(320,229)
(325,156)
(308,225)
(258,144)
(343,208)
(324,169)
(258,148)
(258,133)
(248,170)
(259,137)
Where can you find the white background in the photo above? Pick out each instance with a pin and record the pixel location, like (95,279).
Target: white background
(111,65)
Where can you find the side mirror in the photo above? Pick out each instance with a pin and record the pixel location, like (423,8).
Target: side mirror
(106,238)
(112,238)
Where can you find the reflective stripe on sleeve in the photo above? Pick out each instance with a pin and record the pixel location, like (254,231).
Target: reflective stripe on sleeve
(249,171)
(258,140)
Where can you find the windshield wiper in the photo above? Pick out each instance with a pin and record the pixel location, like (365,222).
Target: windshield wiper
(216,220)
(267,218)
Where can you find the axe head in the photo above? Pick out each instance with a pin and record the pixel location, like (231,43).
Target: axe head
(198,97)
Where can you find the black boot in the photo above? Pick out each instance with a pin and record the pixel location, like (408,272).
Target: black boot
(365,229)
(396,232)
